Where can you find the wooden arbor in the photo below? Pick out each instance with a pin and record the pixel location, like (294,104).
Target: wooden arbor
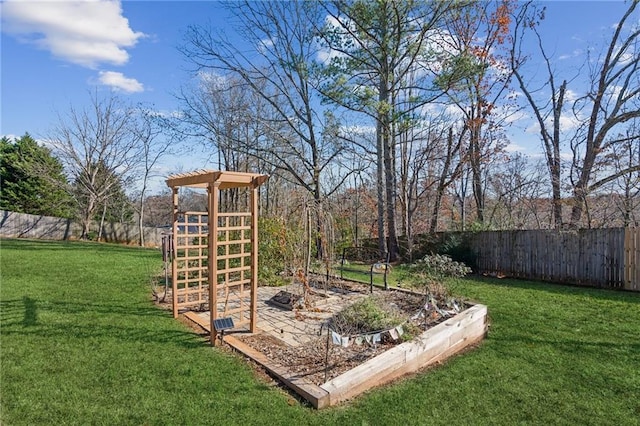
(215,254)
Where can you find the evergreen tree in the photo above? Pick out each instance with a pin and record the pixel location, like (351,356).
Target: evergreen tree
(33,181)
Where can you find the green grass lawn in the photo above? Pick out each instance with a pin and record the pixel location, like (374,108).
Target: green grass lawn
(396,276)
(82,343)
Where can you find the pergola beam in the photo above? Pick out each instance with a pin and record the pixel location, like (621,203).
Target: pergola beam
(226,180)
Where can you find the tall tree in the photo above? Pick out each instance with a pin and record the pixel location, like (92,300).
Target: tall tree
(275,75)
(98,147)
(33,181)
(372,49)
(548,112)
(512,185)
(282,127)
(114,206)
(625,157)
(602,111)
(611,101)
(226,113)
(157,139)
(475,76)
(448,167)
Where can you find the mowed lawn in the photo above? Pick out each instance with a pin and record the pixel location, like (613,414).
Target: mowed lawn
(82,343)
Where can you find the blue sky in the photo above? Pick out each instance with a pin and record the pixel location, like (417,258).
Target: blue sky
(38,80)
(55,52)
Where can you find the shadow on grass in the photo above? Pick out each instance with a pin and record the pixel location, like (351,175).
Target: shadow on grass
(30,307)
(30,312)
(24,317)
(564,289)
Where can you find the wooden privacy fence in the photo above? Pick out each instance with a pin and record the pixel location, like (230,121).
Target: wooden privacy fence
(608,257)
(23,225)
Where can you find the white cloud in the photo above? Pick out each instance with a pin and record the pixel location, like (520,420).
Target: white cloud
(513,147)
(570,95)
(575,54)
(119,82)
(87,33)
(265,45)
(209,78)
(9,136)
(534,128)
(569,122)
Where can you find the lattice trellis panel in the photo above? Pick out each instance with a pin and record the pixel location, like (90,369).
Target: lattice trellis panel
(215,262)
(233,267)
(191,272)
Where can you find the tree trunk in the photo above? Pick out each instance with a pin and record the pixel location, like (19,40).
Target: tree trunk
(85,230)
(442,184)
(476,173)
(86,219)
(554,162)
(382,244)
(140,224)
(318,204)
(104,213)
(390,188)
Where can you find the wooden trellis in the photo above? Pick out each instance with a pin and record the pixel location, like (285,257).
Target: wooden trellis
(215,260)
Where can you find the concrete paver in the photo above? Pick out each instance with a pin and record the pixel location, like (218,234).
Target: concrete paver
(292,329)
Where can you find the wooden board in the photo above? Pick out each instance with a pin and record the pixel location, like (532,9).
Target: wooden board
(317,396)
(590,257)
(225,179)
(434,345)
(194,317)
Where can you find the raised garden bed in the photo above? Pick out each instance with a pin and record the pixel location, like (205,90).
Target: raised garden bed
(434,345)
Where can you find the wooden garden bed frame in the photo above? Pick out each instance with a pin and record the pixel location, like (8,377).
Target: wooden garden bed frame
(216,252)
(435,345)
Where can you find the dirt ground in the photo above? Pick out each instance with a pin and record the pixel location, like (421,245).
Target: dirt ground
(321,360)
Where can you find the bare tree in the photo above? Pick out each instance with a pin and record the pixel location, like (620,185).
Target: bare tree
(98,147)
(514,186)
(156,140)
(275,75)
(609,103)
(449,169)
(475,77)
(224,112)
(623,189)
(547,112)
(429,164)
(285,129)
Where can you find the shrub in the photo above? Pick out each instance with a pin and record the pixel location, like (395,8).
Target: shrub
(366,315)
(439,266)
(273,250)
(458,249)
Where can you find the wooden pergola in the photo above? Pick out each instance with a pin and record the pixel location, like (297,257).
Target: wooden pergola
(215,254)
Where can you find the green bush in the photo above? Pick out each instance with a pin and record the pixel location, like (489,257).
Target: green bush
(273,250)
(458,249)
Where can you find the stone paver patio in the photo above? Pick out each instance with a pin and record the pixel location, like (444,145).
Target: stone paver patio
(296,328)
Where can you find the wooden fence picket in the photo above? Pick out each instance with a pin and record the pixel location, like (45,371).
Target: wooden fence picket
(608,257)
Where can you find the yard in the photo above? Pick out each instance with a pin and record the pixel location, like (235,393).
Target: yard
(82,343)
